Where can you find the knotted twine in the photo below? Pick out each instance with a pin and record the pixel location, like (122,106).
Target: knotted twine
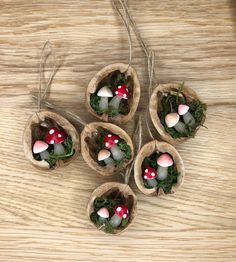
(125,21)
(42,92)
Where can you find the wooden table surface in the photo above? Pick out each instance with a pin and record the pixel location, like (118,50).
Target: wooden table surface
(42,215)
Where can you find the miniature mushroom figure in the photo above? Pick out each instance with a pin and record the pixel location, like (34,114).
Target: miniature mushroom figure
(121,212)
(55,137)
(189,120)
(103,214)
(104,155)
(172,120)
(163,161)
(40,147)
(110,142)
(150,175)
(104,93)
(121,92)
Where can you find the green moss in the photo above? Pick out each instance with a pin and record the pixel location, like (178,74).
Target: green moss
(170,104)
(121,144)
(165,184)
(118,79)
(110,204)
(68,145)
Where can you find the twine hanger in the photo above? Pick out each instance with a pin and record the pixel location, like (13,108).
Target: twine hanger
(125,20)
(41,98)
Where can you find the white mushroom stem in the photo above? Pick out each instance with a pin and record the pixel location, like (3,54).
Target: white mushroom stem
(109,161)
(102,219)
(162,172)
(44,155)
(180,127)
(115,221)
(103,104)
(152,182)
(115,102)
(189,119)
(59,149)
(117,153)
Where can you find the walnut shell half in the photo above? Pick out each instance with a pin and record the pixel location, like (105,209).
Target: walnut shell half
(28,137)
(88,147)
(134,89)
(115,188)
(155,107)
(146,151)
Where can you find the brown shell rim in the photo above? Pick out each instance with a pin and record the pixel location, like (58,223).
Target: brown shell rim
(88,129)
(190,95)
(62,122)
(101,190)
(92,87)
(146,151)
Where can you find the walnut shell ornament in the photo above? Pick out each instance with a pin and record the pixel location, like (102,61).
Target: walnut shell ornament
(110,197)
(113,94)
(50,141)
(106,148)
(147,158)
(174,100)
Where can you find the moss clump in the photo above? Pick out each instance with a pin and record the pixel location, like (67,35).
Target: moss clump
(112,82)
(110,203)
(171,102)
(165,184)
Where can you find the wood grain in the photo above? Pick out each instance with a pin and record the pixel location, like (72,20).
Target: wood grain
(42,215)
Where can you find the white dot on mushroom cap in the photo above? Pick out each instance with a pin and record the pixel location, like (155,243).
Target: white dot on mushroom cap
(153,174)
(106,144)
(116,141)
(127,211)
(52,142)
(109,135)
(116,92)
(127,90)
(124,216)
(146,170)
(145,177)
(51,131)
(59,135)
(118,209)
(119,87)
(124,95)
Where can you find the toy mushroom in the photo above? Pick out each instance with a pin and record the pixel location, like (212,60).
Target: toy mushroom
(164,161)
(172,120)
(104,93)
(121,92)
(55,137)
(150,175)
(40,147)
(183,110)
(110,142)
(104,155)
(121,212)
(103,214)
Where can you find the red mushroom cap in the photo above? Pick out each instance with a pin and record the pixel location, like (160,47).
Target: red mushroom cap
(54,136)
(122,211)
(39,146)
(122,91)
(110,140)
(150,173)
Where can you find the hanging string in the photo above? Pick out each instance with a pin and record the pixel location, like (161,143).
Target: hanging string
(141,41)
(137,138)
(43,60)
(125,20)
(62,111)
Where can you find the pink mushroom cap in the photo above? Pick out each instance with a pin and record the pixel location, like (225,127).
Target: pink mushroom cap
(171,119)
(39,146)
(103,212)
(183,109)
(165,160)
